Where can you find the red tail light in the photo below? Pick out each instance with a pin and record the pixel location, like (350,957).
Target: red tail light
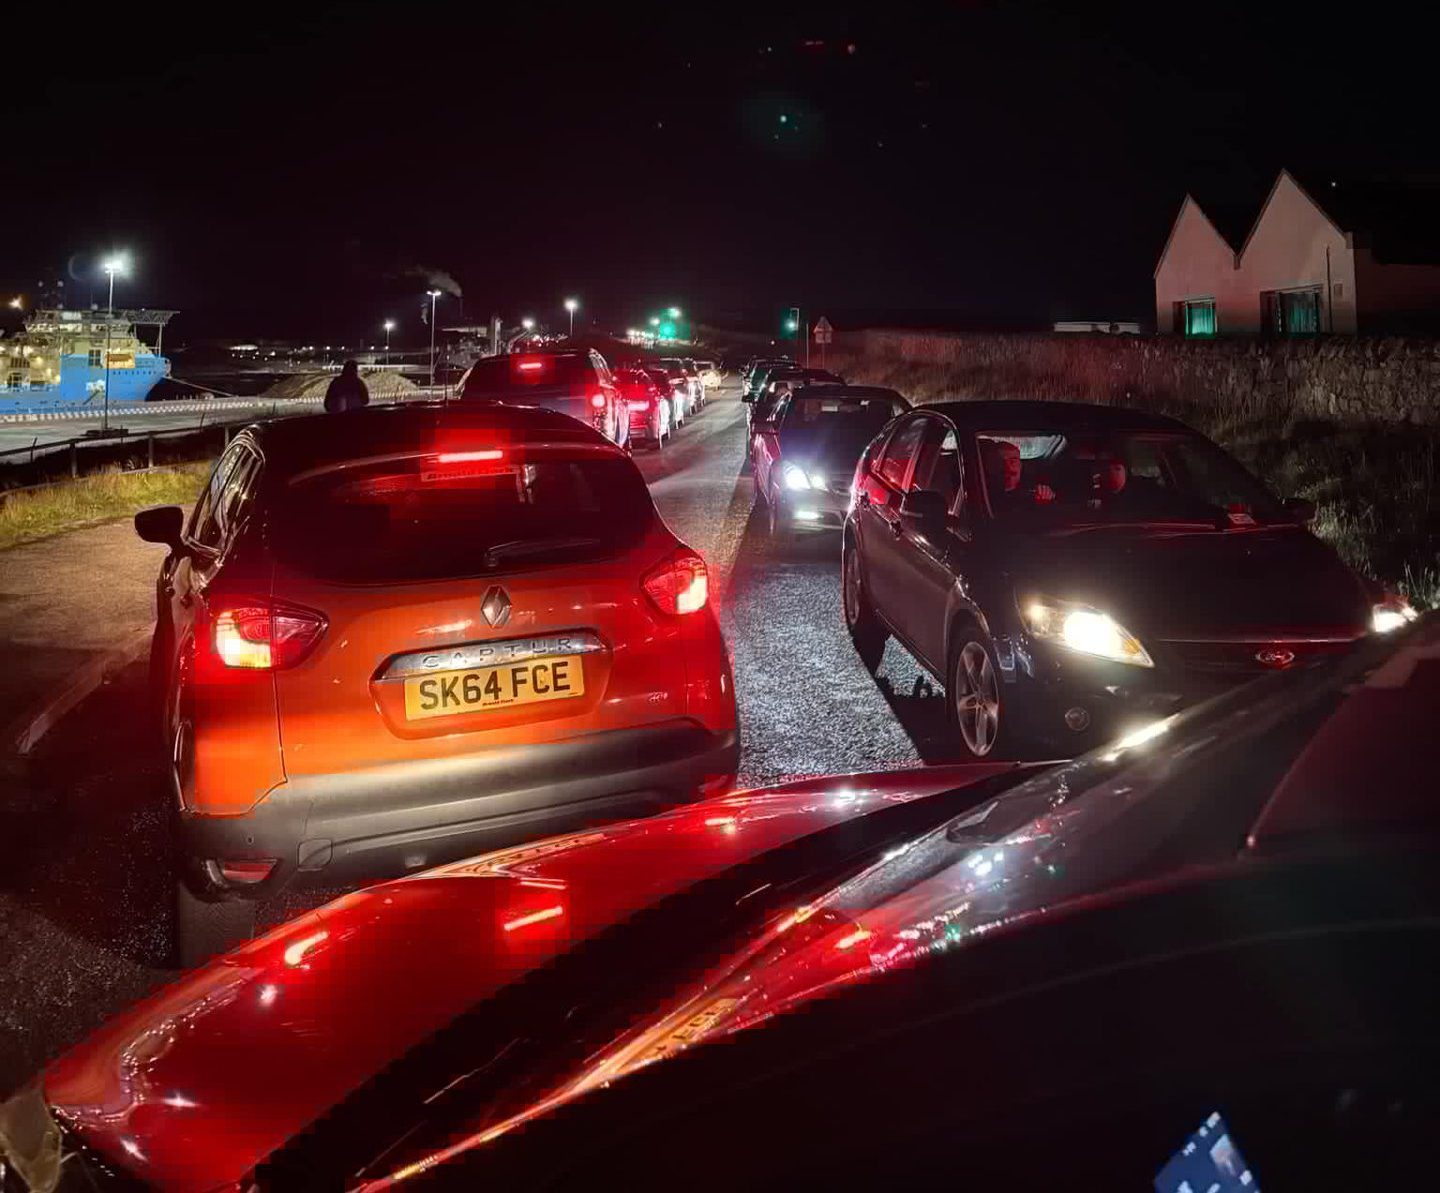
(598,401)
(263,636)
(679,585)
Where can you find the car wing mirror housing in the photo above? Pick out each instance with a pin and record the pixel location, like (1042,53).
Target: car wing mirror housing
(1302,509)
(161,524)
(925,506)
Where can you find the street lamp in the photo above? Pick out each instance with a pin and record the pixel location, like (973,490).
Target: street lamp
(572,305)
(16,303)
(434,294)
(673,312)
(116,263)
(389,326)
(528,323)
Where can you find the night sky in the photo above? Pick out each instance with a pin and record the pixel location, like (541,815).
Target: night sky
(299,170)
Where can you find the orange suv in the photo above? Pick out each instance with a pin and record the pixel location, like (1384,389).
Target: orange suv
(401,635)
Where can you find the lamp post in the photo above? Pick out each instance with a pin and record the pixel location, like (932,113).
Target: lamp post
(112,265)
(434,294)
(572,305)
(389,326)
(17,303)
(527,323)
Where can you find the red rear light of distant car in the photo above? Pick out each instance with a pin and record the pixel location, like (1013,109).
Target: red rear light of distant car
(598,401)
(264,637)
(679,585)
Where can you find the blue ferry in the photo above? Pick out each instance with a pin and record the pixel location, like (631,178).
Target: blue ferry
(70,358)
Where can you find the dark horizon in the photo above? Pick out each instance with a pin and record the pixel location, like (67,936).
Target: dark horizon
(988,165)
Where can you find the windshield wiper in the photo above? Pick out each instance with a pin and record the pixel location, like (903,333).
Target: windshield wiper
(518,547)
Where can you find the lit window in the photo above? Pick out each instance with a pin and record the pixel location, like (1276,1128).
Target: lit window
(1196,317)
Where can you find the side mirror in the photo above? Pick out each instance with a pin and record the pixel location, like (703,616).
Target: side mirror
(1302,509)
(925,506)
(161,524)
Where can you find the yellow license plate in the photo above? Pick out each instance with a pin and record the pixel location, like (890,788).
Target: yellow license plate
(447,693)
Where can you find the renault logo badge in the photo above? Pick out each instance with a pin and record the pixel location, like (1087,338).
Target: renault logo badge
(495,608)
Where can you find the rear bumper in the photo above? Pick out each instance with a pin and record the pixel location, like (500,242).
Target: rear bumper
(395,819)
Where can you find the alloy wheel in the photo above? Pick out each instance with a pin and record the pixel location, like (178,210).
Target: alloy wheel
(977,699)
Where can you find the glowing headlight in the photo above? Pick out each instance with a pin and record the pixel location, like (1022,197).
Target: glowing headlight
(795,477)
(1084,630)
(1391,614)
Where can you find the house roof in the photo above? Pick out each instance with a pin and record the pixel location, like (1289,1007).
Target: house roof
(1230,216)
(1397,219)
(1189,202)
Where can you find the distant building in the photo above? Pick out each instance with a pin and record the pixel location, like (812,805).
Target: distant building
(1124,327)
(1338,258)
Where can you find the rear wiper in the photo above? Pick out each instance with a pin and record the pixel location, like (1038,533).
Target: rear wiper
(515,547)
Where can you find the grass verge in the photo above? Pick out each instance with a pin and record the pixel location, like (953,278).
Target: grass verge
(1374,487)
(99,497)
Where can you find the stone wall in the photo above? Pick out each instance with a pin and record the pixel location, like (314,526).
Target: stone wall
(1343,380)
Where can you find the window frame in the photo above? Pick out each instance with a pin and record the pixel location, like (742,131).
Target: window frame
(217,494)
(1182,315)
(900,486)
(958,500)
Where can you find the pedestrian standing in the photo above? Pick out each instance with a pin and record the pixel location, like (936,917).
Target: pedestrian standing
(347,391)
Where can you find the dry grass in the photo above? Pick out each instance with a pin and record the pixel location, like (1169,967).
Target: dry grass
(1375,488)
(99,497)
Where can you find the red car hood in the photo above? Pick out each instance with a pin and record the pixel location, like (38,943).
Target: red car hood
(193,1087)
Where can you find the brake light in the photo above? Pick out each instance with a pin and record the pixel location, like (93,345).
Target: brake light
(264,637)
(679,585)
(598,401)
(467,457)
(530,366)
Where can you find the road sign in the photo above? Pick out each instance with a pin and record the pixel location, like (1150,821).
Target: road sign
(824,333)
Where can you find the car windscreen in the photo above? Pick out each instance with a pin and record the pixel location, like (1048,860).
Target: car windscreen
(416,518)
(843,414)
(1079,477)
(510,375)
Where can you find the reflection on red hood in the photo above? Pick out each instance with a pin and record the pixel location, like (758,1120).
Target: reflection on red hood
(193,1087)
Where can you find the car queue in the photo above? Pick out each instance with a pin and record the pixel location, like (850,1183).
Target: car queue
(460,627)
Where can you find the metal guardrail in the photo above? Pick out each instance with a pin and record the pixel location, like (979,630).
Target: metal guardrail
(242,411)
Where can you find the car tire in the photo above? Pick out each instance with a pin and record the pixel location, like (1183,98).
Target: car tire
(204,929)
(866,630)
(775,524)
(972,697)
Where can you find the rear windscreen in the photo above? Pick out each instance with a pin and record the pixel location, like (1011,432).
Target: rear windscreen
(419,518)
(515,374)
(865,415)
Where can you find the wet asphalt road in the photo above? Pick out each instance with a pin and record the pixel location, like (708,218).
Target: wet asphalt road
(83,882)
